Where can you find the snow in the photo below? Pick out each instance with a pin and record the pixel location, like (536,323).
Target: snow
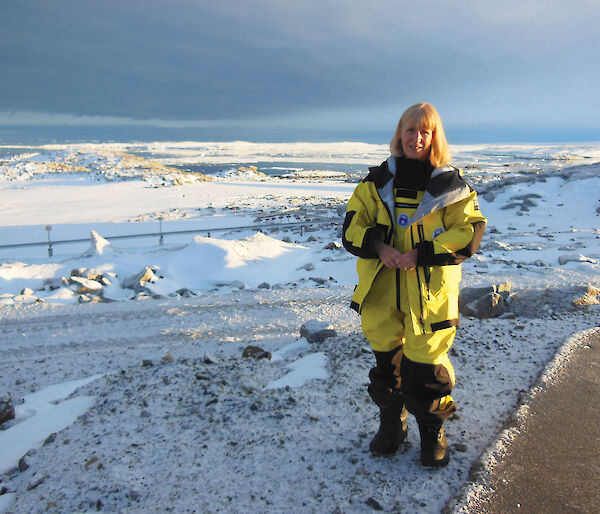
(40,415)
(307,368)
(292,430)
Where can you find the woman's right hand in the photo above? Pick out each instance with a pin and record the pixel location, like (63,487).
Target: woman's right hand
(390,257)
(395,259)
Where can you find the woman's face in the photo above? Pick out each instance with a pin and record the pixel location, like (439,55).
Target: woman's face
(416,142)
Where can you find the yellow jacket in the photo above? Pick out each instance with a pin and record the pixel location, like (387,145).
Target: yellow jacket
(443,223)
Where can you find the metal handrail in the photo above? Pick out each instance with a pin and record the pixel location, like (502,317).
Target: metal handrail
(161,234)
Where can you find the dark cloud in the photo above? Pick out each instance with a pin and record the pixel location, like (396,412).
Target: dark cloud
(232,60)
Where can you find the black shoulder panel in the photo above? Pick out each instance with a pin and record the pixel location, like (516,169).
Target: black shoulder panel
(379,175)
(443,182)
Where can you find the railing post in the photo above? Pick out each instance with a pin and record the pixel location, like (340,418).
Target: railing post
(50,251)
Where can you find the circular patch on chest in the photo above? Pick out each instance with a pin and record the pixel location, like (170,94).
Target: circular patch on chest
(403,220)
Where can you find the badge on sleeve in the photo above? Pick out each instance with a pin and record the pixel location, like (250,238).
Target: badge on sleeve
(437,232)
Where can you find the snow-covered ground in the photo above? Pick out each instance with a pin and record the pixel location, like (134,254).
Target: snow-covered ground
(173,416)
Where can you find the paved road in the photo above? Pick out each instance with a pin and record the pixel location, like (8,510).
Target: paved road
(554,464)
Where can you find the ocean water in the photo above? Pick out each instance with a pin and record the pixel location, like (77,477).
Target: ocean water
(350,160)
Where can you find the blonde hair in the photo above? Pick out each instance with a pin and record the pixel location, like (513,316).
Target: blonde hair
(424,115)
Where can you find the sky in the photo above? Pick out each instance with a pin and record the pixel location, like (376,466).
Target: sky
(288,70)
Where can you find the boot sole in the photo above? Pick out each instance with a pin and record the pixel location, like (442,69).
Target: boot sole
(391,452)
(437,463)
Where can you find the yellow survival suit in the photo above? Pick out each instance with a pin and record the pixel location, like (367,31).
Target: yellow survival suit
(410,317)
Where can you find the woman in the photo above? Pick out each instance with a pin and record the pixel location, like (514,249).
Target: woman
(411,222)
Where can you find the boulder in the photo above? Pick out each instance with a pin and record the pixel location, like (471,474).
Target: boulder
(574,257)
(591,297)
(316,331)
(490,305)
(7,409)
(55,283)
(137,281)
(86,285)
(484,302)
(469,294)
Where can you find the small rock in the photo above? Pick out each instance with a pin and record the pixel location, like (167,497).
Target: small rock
(90,461)
(320,281)
(184,292)
(50,439)
(334,245)
(147,363)
(308,267)
(316,331)
(264,285)
(460,447)
(23,464)
(7,409)
(256,352)
(36,480)
(133,495)
(374,504)
(168,357)
(145,414)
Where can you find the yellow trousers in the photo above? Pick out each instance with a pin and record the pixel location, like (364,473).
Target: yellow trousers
(414,370)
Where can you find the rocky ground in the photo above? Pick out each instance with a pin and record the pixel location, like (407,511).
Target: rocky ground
(183,422)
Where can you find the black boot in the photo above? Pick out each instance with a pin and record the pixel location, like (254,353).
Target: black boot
(392,431)
(434,446)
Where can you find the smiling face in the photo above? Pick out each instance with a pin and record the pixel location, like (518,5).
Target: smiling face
(416,141)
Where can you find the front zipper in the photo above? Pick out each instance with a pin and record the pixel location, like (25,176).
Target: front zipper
(398,289)
(426,272)
(412,240)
